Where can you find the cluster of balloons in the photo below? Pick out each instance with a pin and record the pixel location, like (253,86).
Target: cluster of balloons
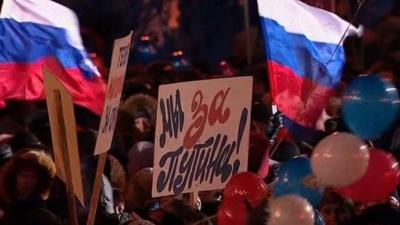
(344,161)
(341,160)
(247,191)
(295,194)
(357,171)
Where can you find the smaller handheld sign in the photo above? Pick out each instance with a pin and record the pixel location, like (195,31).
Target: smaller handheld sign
(65,143)
(202,134)
(116,79)
(105,135)
(63,132)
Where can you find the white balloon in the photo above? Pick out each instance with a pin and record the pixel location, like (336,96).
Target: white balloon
(340,159)
(290,210)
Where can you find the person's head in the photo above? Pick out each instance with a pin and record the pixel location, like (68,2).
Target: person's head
(138,189)
(142,120)
(38,124)
(137,117)
(335,209)
(25,140)
(119,201)
(380,214)
(28,173)
(26,181)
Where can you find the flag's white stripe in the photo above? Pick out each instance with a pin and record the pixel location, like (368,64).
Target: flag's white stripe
(299,18)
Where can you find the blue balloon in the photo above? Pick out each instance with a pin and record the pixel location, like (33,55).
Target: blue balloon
(319,219)
(180,62)
(295,177)
(370,106)
(144,51)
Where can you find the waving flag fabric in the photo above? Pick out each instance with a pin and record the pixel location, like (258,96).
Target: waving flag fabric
(303,56)
(37,33)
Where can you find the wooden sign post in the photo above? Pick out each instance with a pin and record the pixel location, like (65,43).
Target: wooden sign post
(65,144)
(105,135)
(202,135)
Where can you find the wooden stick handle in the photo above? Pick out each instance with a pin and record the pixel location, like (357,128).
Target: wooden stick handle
(96,189)
(193,199)
(70,191)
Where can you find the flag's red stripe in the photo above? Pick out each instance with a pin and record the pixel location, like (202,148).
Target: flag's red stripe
(23,81)
(299,99)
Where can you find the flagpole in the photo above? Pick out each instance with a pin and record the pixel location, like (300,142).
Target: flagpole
(247,32)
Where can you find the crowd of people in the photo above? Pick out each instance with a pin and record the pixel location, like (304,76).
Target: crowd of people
(32,194)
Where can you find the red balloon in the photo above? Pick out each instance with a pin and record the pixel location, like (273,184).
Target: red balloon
(378,183)
(232,211)
(247,185)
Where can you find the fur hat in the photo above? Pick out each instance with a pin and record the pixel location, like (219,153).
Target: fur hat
(116,172)
(31,158)
(140,102)
(138,189)
(139,105)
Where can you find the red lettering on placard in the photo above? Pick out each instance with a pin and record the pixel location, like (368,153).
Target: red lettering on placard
(117,83)
(216,111)
(200,113)
(203,113)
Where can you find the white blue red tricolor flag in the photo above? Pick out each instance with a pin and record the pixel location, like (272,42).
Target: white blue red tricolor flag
(37,33)
(304,57)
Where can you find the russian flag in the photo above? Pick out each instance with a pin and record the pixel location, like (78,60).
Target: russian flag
(37,33)
(304,56)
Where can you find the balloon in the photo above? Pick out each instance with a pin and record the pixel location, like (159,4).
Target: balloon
(370,105)
(292,178)
(232,211)
(378,183)
(340,159)
(226,69)
(290,210)
(180,62)
(144,51)
(247,185)
(319,219)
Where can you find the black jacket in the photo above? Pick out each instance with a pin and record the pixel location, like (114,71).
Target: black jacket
(28,212)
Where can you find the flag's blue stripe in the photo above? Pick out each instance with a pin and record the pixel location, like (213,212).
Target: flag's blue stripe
(29,42)
(305,58)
